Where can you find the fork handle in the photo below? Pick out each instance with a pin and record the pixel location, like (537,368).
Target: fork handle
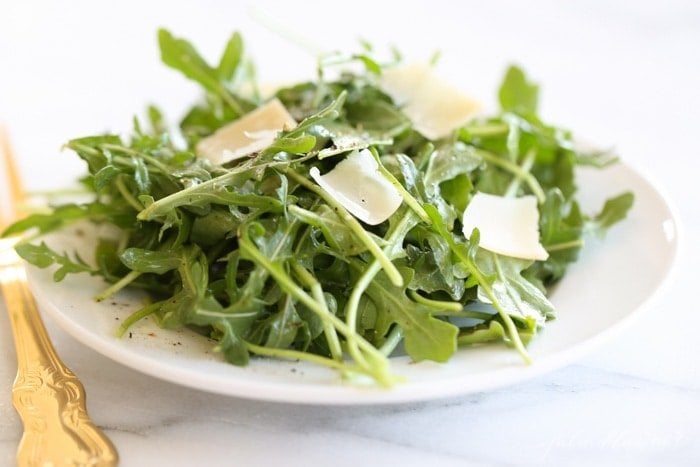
(47,395)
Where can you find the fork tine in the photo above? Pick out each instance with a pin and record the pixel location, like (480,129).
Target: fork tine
(13,195)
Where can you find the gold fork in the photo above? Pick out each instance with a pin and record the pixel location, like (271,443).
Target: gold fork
(47,395)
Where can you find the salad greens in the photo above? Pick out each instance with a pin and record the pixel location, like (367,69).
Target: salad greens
(256,255)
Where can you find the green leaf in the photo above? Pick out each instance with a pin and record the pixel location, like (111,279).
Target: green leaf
(232,346)
(433,264)
(158,262)
(213,227)
(449,161)
(614,210)
(377,115)
(90,150)
(105,176)
(517,94)
(426,337)
(345,138)
(561,233)
(519,297)
(284,325)
(493,331)
(193,272)
(370,64)
(181,55)
(156,120)
(62,216)
(457,191)
(293,145)
(141,175)
(231,58)
(42,256)
(599,159)
(329,113)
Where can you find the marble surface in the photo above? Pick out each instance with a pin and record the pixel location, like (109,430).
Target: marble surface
(618,74)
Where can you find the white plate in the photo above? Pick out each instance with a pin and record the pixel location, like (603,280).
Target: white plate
(612,282)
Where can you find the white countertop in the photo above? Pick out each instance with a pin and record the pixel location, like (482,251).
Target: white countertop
(616,73)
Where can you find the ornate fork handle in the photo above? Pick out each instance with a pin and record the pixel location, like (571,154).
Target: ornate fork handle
(47,395)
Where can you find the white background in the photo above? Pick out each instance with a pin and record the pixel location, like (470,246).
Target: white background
(622,74)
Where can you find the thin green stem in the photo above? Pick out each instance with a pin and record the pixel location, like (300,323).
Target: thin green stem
(233,103)
(510,325)
(528,161)
(408,198)
(487,130)
(516,170)
(289,354)
(378,366)
(137,316)
(474,271)
(117,286)
(132,152)
(565,245)
(441,305)
(353,304)
(479,336)
(392,340)
(126,194)
(317,292)
(185,195)
(389,268)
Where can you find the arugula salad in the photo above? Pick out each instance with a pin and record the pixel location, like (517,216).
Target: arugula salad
(372,211)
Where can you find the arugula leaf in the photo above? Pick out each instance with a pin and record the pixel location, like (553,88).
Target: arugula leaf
(231,58)
(42,256)
(517,94)
(158,262)
(519,297)
(561,233)
(426,337)
(67,214)
(614,210)
(179,54)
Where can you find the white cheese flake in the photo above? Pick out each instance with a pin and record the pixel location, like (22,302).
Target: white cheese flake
(251,133)
(507,226)
(358,186)
(434,106)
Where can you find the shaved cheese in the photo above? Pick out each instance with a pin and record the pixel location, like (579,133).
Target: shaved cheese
(508,226)
(251,133)
(434,106)
(358,186)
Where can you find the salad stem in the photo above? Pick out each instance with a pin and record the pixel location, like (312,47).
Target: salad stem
(124,191)
(352,306)
(354,225)
(317,293)
(183,196)
(407,197)
(392,340)
(117,286)
(512,189)
(510,325)
(378,365)
(289,354)
(564,245)
(441,305)
(515,170)
(136,316)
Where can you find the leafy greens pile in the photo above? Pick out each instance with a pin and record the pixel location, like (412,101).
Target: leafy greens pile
(259,257)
